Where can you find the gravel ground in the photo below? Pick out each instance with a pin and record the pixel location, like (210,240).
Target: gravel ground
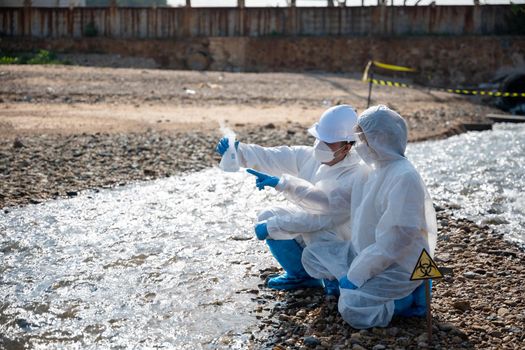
(37,168)
(466,311)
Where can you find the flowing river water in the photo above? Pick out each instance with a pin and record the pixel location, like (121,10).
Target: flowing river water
(172,263)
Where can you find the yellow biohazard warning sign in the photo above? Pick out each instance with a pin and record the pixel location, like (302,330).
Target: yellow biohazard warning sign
(425,268)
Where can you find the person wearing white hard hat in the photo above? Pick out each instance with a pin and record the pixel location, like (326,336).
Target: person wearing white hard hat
(301,173)
(392,222)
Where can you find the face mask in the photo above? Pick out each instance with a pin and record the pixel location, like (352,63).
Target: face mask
(366,153)
(323,153)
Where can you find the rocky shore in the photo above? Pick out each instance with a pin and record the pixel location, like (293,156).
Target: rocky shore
(40,167)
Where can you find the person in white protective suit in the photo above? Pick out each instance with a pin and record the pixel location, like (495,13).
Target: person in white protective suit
(300,172)
(391,224)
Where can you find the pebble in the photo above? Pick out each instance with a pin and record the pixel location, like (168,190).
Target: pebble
(392,331)
(503,311)
(462,305)
(311,341)
(472,275)
(446,326)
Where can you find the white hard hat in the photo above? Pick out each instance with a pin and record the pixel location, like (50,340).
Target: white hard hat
(336,124)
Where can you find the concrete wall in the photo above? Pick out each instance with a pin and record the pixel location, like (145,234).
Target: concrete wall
(439,60)
(163,23)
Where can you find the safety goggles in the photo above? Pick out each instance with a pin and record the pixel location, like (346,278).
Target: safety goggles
(361,136)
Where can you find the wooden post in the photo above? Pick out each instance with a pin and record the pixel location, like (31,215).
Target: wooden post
(429,311)
(188,3)
(371,77)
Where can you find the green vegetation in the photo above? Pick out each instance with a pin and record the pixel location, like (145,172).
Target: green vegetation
(40,57)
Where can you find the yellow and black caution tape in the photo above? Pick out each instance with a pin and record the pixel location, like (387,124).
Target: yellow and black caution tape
(393,67)
(385,66)
(452,91)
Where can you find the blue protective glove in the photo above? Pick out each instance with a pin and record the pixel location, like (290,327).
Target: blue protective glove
(263,179)
(223,145)
(345,283)
(261,231)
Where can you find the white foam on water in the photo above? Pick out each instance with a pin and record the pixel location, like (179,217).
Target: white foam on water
(146,265)
(482,172)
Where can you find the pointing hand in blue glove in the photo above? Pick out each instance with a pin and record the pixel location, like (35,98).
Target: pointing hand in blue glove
(261,231)
(263,179)
(223,145)
(345,283)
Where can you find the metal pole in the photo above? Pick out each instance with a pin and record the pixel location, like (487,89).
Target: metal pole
(370,88)
(429,312)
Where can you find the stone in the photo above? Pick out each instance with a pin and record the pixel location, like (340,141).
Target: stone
(462,305)
(311,341)
(496,334)
(471,275)
(456,339)
(392,331)
(446,326)
(358,347)
(284,317)
(503,311)
(379,347)
(422,337)
(403,341)
(18,143)
(301,313)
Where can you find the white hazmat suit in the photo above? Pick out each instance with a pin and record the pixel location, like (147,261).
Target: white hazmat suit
(301,176)
(392,221)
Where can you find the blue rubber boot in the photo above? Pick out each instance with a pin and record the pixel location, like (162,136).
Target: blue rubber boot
(288,255)
(401,306)
(331,287)
(418,308)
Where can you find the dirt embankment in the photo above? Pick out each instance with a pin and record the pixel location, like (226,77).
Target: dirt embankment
(71,100)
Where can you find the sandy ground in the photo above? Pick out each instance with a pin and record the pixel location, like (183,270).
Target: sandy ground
(72,100)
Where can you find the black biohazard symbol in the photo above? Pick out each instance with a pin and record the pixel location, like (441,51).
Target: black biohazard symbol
(425,268)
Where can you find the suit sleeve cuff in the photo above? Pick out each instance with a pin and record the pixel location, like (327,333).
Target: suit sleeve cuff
(358,282)
(272,226)
(281,185)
